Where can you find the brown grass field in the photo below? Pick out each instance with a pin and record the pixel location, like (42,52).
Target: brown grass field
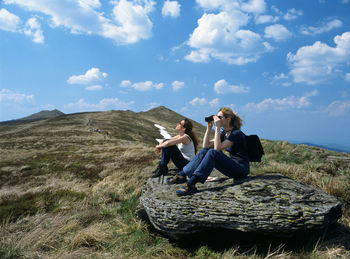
(67,192)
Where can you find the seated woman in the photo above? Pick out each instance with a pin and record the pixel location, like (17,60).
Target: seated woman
(180,149)
(231,139)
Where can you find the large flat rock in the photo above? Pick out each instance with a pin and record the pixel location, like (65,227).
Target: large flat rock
(268,204)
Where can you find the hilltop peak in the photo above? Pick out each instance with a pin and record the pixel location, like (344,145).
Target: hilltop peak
(44,114)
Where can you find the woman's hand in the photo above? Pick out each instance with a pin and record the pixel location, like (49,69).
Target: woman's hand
(217,121)
(157,149)
(209,124)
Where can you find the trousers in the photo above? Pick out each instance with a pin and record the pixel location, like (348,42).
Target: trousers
(173,153)
(206,160)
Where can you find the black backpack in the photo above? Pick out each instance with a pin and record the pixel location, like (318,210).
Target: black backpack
(254,148)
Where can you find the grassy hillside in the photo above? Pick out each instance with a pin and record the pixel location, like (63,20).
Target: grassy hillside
(69,192)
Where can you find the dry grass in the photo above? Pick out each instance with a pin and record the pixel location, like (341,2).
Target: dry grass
(68,193)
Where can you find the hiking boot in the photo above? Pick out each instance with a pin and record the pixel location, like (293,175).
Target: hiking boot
(176,179)
(160,170)
(186,189)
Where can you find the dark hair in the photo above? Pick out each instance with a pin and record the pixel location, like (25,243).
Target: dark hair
(189,126)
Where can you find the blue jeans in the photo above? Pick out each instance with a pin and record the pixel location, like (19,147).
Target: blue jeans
(173,153)
(207,159)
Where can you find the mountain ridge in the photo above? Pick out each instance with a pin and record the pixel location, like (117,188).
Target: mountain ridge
(42,115)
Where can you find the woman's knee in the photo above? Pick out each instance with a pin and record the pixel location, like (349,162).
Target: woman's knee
(214,153)
(203,151)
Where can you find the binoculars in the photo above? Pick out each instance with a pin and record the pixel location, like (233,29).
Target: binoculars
(211,118)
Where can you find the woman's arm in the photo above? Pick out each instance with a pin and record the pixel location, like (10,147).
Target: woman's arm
(185,139)
(206,142)
(218,145)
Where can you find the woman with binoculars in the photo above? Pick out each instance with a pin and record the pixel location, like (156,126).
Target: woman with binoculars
(231,139)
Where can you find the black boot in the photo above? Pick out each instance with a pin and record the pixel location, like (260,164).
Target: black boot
(160,170)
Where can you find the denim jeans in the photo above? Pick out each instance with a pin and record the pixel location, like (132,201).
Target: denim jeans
(173,153)
(207,159)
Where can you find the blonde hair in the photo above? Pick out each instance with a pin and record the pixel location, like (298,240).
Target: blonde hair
(236,121)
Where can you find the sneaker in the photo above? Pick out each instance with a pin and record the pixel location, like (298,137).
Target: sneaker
(186,189)
(176,179)
(160,170)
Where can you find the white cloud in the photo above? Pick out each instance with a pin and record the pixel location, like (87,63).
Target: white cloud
(171,8)
(277,32)
(266,19)
(250,6)
(134,23)
(142,86)
(94,88)
(90,3)
(286,103)
(219,36)
(222,87)
(254,6)
(204,102)
(177,85)
(280,76)
(339,108)
(317,63)
(347,77)
(33,29)
(92,75)
(129,22)
(147,86)
(276,10)
(7,95)
(311,94)
(322,29)
(208,5)
(9,21)
(104,104)
(199,56)
(125,83)
(292,14)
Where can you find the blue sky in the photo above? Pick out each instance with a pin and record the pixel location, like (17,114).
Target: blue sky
(283,66)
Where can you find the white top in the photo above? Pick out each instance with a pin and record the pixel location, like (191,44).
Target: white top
(187,150)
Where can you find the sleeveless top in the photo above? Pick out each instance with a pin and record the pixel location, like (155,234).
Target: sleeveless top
(187,150)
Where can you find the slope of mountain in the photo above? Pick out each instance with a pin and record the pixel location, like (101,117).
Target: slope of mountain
(42,115)
(336,148)
(69,186)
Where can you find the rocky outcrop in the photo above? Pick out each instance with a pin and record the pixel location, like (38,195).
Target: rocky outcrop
(268,204)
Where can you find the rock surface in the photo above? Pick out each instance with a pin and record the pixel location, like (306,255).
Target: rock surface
(268,204)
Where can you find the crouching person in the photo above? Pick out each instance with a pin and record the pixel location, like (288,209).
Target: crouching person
(231,139)
(180,149)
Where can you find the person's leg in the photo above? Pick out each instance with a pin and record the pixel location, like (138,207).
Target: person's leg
(191,167)
(162,168)
(188,170)
(216,159)
(173,153)
(212,158)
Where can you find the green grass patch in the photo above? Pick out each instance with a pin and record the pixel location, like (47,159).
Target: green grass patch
(31,203)
(9,251)
(128,207)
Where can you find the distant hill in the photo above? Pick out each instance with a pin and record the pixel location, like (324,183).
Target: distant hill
(332,148)
(117,124)
(42,115)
